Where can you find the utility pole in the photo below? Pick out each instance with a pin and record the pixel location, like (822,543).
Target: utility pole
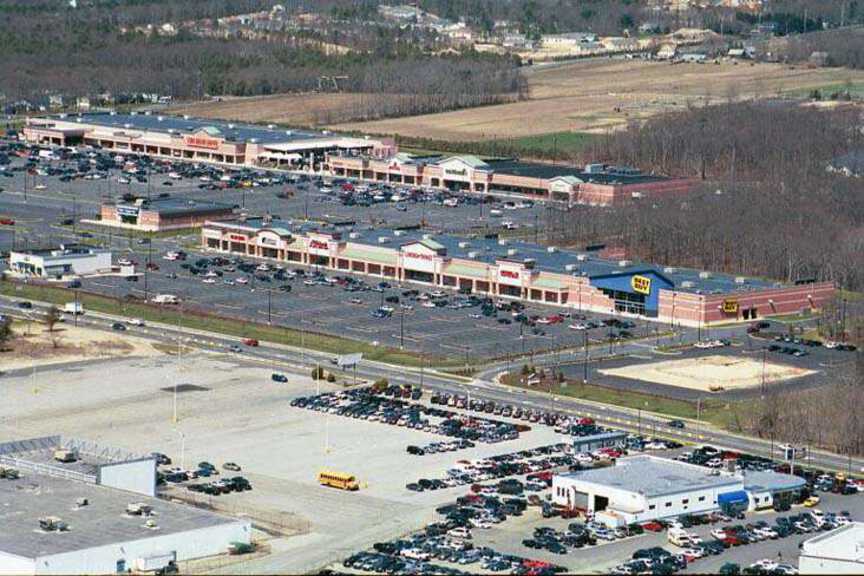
(402,330)
(269,306)
(585,362)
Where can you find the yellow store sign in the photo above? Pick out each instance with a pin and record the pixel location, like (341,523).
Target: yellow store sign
(641,284)
(730,306)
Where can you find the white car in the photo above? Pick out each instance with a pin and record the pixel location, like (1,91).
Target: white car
(242,280)
(719,534)
(136,322)
(765,564)
(210,280)
(583,458)
(124,262)
(578,326)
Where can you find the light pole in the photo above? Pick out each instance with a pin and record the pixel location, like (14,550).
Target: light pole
(182,448)
(269,306)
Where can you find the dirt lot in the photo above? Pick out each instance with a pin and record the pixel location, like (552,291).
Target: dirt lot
(33,345)
(289,109)
(596,95)
(709,373)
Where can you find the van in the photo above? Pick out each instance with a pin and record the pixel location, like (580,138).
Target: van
(680,538)
(165,299)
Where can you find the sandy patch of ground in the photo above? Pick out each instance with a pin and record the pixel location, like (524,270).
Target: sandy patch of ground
(709,373)
(35,346)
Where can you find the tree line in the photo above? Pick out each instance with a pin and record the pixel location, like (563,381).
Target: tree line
(82,52)
(767,205)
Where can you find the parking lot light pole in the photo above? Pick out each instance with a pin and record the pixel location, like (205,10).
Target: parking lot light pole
(585,363)
(269,306)
(402,330)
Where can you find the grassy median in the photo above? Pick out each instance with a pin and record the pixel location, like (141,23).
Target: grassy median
(221,325)
(724,414)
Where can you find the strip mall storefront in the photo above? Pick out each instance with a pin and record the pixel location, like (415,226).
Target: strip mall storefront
(426,262)
(466,174)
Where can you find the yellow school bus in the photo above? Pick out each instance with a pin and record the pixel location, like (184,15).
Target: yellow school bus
(338,480)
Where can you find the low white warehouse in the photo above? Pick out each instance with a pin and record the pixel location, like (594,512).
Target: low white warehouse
(103,534)
(642,488)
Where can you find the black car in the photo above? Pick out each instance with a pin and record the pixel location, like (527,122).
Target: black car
(277,377)
(25,305)
(675,424)
(118,326)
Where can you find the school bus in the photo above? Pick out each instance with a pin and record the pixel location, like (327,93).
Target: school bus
(338,480)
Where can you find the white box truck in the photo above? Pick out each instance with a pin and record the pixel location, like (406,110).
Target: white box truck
(73,308)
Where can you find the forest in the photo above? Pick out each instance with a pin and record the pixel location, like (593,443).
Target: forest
(82,52)
(768,206)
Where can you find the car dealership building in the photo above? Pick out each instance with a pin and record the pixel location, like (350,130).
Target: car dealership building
(502,268)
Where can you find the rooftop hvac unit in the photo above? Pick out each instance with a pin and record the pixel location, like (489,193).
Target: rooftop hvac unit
(171,130)
(271,126)
(253,140)
(185,117)
(740,280)
(230,126)
(133,113)
(686,284)
(670,270)
(624,263)
(503,242)
(581,257)
(383,240)
(427,236)
(52,524)
(127,125)
(595,168)
(353,235)
(138,509)
(529,263)
(113,113)
(464,244)
(398,233)
(704,275)
(570,267)
(473,254)
(147,113)
(160,118)
(63,115)
(78,119)
(551,249)
(512,252)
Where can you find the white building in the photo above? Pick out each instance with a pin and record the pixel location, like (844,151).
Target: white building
(642,488)
(65,261)
(840,551)
(56,519)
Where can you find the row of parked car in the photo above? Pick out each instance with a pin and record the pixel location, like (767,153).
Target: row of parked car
(439,447)
(468,472)
(450,541)
(368,404)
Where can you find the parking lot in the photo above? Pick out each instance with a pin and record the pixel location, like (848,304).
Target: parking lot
(41,205)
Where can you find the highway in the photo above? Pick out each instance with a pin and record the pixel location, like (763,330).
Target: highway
(483,387)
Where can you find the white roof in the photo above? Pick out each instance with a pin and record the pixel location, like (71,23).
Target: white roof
(845,543)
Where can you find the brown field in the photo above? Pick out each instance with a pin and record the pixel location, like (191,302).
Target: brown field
(596,95)
(589,96)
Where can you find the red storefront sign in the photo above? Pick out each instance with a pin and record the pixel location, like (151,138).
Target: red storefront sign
(509,274)
(318,245)
(418,256)
(202,142)
(238,237)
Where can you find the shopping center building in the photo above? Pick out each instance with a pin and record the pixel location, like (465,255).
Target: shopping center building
(595,184)
(502,268)
(199,140)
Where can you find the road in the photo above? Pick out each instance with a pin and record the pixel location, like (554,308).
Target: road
(482,388)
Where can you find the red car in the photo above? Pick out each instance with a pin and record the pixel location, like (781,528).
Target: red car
(7,222)
(652,526)
(250,342)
